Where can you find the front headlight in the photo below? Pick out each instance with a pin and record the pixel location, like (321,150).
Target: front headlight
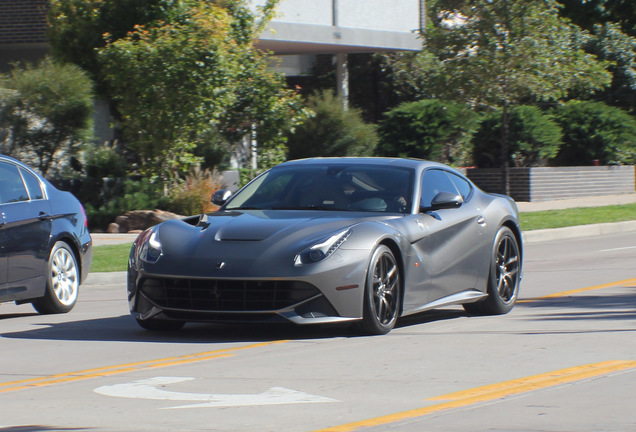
(323,249)
(149,246)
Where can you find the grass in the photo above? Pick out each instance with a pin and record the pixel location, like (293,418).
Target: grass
(110,258)
(577,216)
(115,257)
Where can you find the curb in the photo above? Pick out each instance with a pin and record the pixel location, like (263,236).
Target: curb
(578,231)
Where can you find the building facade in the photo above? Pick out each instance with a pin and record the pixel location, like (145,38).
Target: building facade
(22,31)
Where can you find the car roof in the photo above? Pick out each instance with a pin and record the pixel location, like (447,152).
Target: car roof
(418,165)
(15,161)
(10,159)
(408,163)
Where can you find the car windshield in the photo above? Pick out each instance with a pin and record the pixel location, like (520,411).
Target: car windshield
(338,187)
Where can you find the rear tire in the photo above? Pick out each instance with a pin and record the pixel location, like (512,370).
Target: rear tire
(503,278)
(62,281)
(382,296)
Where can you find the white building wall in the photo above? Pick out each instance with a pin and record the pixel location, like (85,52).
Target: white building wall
(316,12)
(383,15)
(342,25)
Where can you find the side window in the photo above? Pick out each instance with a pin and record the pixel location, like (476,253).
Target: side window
(463,186)
(11,185)
(434,182)
(33,185)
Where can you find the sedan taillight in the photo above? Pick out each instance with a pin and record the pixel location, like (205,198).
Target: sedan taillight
(84,216)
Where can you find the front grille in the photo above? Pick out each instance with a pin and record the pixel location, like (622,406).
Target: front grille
(226,295)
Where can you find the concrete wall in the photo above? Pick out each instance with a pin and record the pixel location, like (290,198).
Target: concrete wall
(383,15)
(550,183)
(341,26)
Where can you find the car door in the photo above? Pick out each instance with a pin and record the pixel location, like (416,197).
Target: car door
(455,241)
(27,224)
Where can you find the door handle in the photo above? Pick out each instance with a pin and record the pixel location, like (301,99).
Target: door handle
(44,216)
(481,220)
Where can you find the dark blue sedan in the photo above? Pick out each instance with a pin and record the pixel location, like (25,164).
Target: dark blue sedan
(45,246)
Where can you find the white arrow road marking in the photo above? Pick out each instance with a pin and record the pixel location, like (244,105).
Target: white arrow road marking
(147,389)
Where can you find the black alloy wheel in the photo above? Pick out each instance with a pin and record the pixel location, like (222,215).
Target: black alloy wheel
(382,299)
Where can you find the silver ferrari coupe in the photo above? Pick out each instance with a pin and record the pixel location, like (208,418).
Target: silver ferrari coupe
(332,240)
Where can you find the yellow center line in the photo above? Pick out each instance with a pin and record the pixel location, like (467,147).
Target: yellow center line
(492,392)
(625,282)
(127,367)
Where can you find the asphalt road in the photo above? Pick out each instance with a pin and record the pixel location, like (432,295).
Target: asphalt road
(563,360)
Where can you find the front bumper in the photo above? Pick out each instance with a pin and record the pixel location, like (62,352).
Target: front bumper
(331,295)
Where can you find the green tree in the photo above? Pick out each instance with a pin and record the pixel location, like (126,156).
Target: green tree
(45,113)
(589,13)
(183,76)
(595,131)
(534,138)
(619,49)
(612,24)
(77,27)
(494,55)
(175,81)
(168,80)
(331,130)
(427,129)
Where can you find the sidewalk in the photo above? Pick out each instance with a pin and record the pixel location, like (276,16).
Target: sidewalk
(103,239)
(100,239)
(595,201)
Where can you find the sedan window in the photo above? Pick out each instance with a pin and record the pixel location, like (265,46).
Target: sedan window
(12,187)
(33,185)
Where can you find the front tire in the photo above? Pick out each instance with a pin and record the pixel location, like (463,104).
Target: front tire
(503,278)
(62,281)
(382,296)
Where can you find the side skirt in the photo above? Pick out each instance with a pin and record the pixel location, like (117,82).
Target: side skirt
(469,296)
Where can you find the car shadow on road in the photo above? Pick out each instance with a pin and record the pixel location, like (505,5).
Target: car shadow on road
(38,428)
(584,306)
(430,316)
(17,315)
(125,329)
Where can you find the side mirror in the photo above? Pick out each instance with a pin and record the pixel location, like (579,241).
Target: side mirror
(220,197)
(444,200)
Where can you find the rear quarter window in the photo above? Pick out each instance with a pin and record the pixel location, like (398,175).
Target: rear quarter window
(464,187)
(33,185)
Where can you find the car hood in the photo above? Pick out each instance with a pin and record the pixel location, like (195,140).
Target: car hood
(259,225)
(265,225)
(253,241)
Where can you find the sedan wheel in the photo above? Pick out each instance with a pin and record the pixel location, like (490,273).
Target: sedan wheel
(382,293)
(62,281)
(504,277)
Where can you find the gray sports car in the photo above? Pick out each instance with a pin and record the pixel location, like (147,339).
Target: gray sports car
(332,240)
